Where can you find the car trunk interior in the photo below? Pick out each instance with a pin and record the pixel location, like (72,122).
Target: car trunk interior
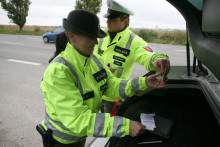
(186,105)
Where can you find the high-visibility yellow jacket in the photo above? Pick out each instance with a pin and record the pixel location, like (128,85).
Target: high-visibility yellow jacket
(123,51)
(73,86)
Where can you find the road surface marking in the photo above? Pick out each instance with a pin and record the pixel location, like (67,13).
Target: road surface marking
(12,36)
(24,62)
(12,43)
(32,38)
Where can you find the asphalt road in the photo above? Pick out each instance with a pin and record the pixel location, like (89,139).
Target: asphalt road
(23,60)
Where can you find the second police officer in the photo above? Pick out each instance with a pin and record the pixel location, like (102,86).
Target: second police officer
(122,48)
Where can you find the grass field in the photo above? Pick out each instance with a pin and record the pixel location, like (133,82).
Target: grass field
(164,37)
(27,30)
(152,36)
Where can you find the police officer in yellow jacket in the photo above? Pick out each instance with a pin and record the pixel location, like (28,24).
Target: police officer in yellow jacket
(121,48)
(73,85)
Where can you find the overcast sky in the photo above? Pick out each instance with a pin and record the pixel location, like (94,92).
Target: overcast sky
(148,13)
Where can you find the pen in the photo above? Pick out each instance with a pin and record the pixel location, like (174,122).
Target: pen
(150,142)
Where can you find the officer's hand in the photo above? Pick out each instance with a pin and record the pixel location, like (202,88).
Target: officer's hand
(110,67)
(163,67)
(153,82)
(136,128)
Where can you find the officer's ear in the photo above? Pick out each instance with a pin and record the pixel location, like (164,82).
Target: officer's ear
(71,37)
(126,21)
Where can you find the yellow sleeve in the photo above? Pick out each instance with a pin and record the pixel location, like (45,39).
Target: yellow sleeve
(144,55)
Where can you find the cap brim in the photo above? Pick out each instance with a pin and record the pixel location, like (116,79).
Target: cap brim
(110,16)
(106,15)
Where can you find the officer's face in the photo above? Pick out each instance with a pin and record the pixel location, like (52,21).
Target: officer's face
(116,25)
(83,44)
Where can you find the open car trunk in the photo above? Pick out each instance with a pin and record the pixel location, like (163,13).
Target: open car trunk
(186,103)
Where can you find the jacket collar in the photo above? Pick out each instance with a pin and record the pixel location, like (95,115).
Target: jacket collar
(74,57)
(122,33)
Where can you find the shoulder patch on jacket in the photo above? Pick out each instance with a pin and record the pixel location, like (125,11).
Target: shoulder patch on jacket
(147,48)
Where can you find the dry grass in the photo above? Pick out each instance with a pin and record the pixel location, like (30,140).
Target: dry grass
(175,37)
(28,28)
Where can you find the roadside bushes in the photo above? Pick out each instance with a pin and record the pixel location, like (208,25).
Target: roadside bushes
(37,28)
(22,32)
(148,35)
(164,37)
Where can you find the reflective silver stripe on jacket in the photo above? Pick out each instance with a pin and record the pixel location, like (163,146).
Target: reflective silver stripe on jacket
(135,84)
(151,62)
(118,122)
(96,60)
(56,122)
(99,125)
(128,45)
(57,132)
(122,87)
(100,46)
(66,63)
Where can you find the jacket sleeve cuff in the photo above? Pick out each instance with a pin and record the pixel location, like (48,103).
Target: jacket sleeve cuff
(143,85)
(125,129)
(153,58)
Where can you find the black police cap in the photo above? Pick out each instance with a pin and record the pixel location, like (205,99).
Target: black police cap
(83,22)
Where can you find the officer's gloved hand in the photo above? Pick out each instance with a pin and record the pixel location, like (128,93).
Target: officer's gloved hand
(153,81)
(163,66)
(136,128)
(110,67)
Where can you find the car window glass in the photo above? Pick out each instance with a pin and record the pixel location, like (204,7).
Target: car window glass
(57,30)
(197,3)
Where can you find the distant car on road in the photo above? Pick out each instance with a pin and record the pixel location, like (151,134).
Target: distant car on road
(51,36)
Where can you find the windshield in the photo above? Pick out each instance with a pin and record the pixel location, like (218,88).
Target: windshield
(58,30)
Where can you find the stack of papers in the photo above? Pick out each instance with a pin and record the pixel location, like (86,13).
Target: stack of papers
(148,121)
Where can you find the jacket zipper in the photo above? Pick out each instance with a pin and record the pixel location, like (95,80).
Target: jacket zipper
(84,66)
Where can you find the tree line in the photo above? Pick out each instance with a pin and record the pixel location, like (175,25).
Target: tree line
(17,10)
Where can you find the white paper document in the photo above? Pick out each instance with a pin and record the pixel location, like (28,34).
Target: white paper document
(148,121)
